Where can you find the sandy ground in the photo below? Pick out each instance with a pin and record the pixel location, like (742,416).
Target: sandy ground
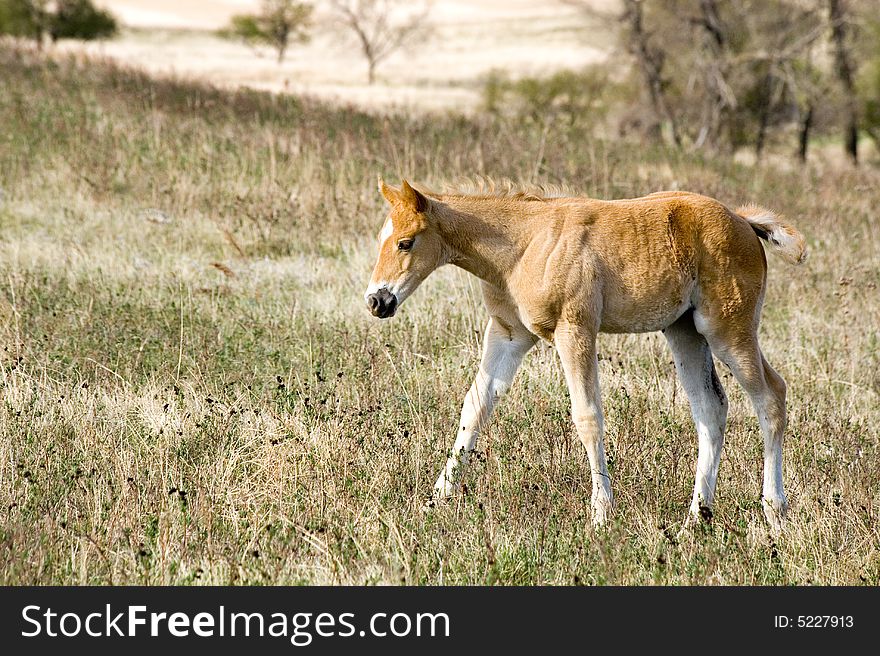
(443,71)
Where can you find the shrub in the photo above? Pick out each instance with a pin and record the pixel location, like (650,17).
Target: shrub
(80,19)
(21,18)
(279,23)
(572,98)
(64,19)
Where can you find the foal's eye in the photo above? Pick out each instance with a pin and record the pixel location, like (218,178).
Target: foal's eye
(405,244)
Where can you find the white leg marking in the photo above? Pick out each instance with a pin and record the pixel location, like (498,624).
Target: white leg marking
(766,389)
(501,360)
(774,501)
(696,371)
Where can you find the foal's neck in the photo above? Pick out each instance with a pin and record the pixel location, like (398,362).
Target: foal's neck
(485,236)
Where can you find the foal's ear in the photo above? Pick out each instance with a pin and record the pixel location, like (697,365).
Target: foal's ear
(391,194)
(413,199)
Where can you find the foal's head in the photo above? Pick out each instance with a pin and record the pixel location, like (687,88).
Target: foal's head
(409,249)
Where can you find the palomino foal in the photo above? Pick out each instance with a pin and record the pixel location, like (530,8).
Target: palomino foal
(565,269)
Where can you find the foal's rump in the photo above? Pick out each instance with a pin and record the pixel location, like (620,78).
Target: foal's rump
(669,251)
(731,265)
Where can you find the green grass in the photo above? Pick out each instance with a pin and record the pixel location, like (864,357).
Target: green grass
(166,421)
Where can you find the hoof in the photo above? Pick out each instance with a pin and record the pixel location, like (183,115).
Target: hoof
(700,513)
(602,511)
(774,512)
(444,488)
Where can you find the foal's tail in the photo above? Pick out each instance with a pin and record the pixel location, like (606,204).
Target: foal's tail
(781,237)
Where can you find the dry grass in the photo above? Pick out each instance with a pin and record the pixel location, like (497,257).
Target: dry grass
(193,392)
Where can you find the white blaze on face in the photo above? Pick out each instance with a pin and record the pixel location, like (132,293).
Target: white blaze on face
(387,231)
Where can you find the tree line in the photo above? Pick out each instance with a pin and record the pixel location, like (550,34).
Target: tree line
(701,74)
(726,74)
(38,20)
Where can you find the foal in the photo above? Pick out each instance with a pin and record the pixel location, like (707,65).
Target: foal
(565,269)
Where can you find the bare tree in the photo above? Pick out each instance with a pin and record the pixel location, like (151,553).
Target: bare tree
(808,86)
(838,16)
(761,74)
(651,60)
(382,27)
(806,124)
(649,57)
(716,72)
(719,74)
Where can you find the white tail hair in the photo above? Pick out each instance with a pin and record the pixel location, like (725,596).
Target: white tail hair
(781,237)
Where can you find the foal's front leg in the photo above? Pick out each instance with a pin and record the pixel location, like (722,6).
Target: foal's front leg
(503,351)
(577,351)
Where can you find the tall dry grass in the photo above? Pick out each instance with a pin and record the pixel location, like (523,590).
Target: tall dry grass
(192,391)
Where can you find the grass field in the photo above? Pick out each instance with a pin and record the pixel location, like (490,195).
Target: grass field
(194,393)
(462,41)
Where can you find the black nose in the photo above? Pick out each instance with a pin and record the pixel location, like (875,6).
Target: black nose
(382,304)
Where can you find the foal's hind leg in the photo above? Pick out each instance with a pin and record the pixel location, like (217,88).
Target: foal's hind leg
(696,371)
(771,413)
(739,350)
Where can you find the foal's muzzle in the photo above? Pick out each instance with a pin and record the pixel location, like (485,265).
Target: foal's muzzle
(382,303)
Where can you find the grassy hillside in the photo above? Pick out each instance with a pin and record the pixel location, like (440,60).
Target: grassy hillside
(193,392)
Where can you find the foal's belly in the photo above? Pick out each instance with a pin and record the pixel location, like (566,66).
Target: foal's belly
(645,310)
